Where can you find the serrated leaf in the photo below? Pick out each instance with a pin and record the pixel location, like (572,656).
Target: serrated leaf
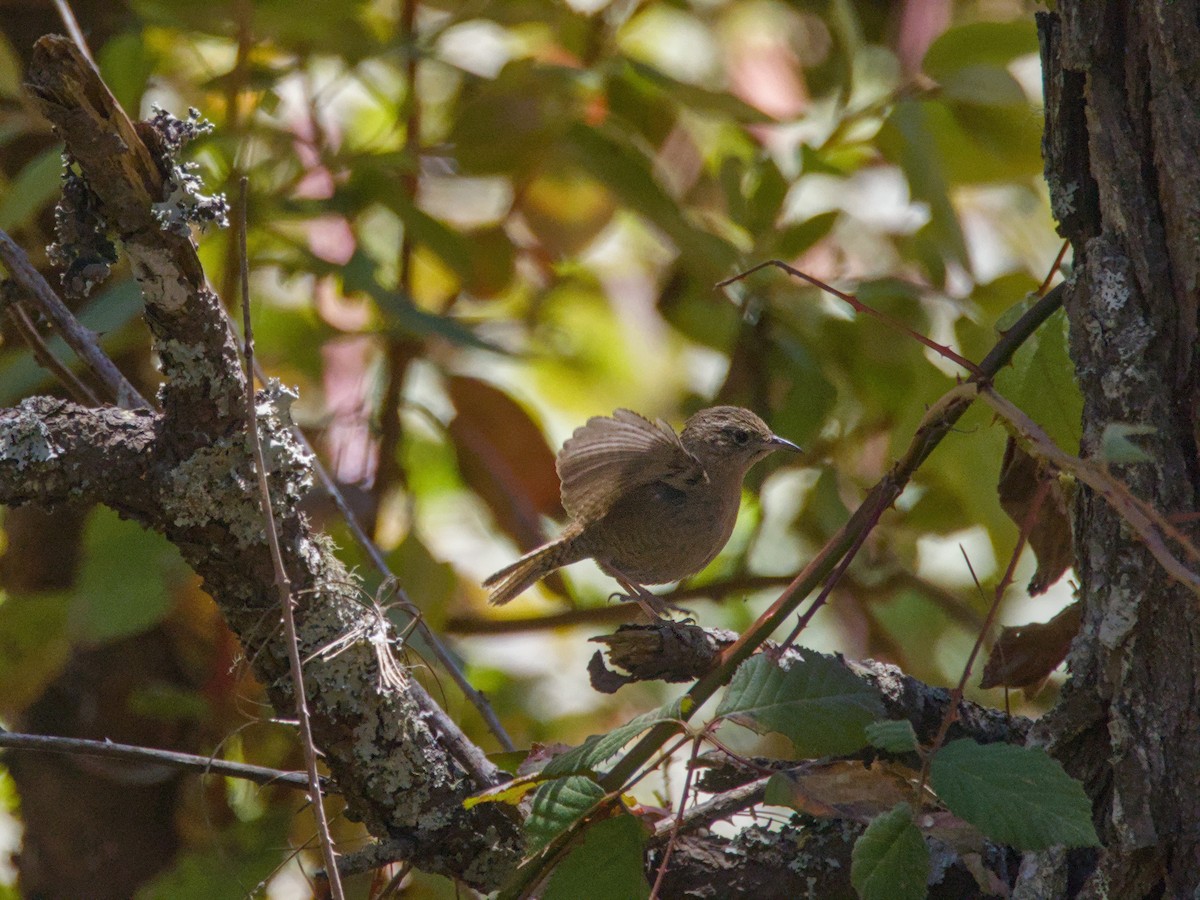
(892,736)
(1017,796)
(816,702)
(599,747)
(557,806)
(890,860)
(608,864)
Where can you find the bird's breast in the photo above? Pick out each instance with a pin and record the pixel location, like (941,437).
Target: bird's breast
(658,533)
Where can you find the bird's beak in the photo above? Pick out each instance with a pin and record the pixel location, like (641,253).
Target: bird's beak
(778,443)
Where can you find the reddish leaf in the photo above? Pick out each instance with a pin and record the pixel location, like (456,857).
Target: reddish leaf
(1050,537)
(842,789)
(505,459)
(1025,655)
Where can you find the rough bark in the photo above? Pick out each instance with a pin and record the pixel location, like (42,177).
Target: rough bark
(402,766)
(1122,86)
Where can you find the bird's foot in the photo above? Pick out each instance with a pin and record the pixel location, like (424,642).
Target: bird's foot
(655,607)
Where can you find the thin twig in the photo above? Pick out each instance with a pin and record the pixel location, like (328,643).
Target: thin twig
(858,306)
(1149,524)
(24,326)
(956,695)
(400,350)
(283,583)
(80,339)
(1058,260)
(188,762)
(441,652)
(937,423)
(73,30)
(832,581)
(719,807)
(687,787)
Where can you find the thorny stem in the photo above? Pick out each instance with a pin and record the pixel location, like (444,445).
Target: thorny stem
(938,422)
(283,583)
(440,651)
(833,579)
(951,714)
(858,306)
(188,762)
(1058,261)
(687,787)
(1148,523)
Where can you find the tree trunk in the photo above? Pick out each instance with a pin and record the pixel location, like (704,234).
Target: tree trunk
(1122,134)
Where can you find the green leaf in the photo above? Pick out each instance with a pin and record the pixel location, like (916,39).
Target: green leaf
(693,96)
(107,314)
(228,865)
(35,648)
(1017,796)
(766,190)
(508,125)
(599,747)
(907,138)
(980,43)
(451,246)
(127,64)
(794,239)
(983,86)
(817,703)
(893,736)
(616,163)
(38,182)
(403,316)
(1041,381)
(557,806)
(890,860)
(127,579)
(608,864)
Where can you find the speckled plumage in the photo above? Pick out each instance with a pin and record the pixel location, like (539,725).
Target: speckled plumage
(648,505)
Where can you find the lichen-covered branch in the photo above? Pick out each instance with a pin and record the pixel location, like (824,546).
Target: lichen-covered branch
(401,764)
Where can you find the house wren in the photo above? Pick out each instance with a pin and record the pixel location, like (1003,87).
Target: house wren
(648,505)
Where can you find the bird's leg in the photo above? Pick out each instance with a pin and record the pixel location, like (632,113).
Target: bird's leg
(651,605)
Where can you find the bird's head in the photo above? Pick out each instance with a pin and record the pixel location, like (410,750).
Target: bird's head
(730,439)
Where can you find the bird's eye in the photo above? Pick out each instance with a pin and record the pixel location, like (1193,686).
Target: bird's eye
(741,437)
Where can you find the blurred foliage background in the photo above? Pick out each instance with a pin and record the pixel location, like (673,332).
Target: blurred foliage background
(475,224)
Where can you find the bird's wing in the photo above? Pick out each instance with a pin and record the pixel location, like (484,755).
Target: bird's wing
(608,457)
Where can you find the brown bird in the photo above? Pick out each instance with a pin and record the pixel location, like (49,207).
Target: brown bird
(648,505)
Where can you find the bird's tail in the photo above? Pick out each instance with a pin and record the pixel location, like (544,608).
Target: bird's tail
(516,578)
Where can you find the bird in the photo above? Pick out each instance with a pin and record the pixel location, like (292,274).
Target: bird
(648,505)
